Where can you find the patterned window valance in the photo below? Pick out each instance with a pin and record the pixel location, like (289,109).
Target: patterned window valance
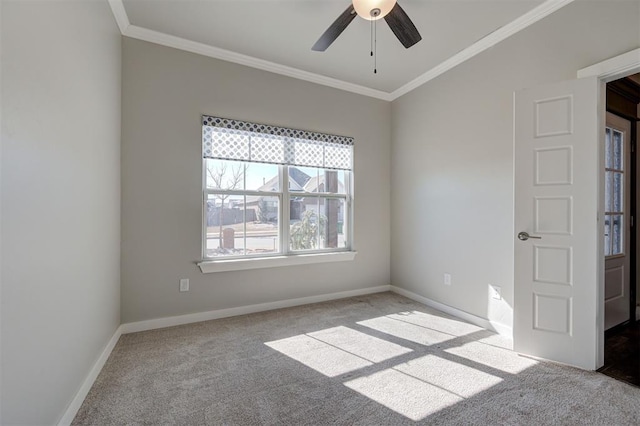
(227,139)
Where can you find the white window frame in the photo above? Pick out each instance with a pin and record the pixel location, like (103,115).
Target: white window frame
(286,256)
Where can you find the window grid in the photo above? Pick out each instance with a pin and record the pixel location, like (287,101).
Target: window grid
(614,192)
(284,198)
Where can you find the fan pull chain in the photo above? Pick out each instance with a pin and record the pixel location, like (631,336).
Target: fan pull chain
(371,36)
(375,47)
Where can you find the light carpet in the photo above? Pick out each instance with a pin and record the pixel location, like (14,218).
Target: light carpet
(373,360)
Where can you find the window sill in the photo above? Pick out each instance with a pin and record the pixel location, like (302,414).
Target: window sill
(210,266)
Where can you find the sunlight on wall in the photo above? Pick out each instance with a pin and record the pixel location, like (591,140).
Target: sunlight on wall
(498,310)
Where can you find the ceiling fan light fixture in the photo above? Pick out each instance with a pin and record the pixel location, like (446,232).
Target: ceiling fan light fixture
(372,10)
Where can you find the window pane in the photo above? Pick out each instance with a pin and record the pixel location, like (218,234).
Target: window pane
(607,235)
(333,233)
(331,181)
(262,177)
(617,235)
(225,225)
(607,149)
(618,187)
(305,224)
(299,177)
(262,234)
(224,174)
(314,180)
(617,150)
(608,191)
(318,223)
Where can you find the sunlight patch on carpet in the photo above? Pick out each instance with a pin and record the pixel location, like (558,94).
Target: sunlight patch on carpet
(318,355)
(406,395)
(416,385)
(456,378)
(494,357)
(360,344)
(407,331)
(452,326)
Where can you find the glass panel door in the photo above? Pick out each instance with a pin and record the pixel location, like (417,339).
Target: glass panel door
(614,202)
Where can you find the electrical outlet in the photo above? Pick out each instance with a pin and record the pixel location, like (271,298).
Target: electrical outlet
(496,292)
(447,279)
(184,284)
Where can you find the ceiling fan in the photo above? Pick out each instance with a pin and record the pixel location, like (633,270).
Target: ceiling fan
(372,10)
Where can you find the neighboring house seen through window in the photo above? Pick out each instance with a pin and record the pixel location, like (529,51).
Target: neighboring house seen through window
(274,191)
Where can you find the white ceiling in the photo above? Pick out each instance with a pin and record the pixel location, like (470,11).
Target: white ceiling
(278,34)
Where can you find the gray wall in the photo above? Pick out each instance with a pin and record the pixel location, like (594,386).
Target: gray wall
(1,139)
(60,178)
(452,155)
(165,92)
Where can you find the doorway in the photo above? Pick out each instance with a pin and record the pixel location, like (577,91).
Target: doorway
(559,268)
(621,238)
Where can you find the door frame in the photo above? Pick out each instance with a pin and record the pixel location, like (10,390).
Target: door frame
(606,71)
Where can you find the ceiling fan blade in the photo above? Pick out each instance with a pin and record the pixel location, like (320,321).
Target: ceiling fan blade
(402,26)
(332,33)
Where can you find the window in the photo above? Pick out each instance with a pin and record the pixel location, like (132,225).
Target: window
(614,203)
(272,191)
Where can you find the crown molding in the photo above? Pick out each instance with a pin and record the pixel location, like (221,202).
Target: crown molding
(614,68)
(145,34)
(117,7)
(534,15)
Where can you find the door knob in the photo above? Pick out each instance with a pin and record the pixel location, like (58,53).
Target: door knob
(524,236)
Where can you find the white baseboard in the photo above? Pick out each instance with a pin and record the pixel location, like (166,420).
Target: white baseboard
(73,408)
(134,327)
(153,324)
(502,329)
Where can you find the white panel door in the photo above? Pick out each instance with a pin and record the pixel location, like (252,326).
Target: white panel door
(557,177)
(617,223)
